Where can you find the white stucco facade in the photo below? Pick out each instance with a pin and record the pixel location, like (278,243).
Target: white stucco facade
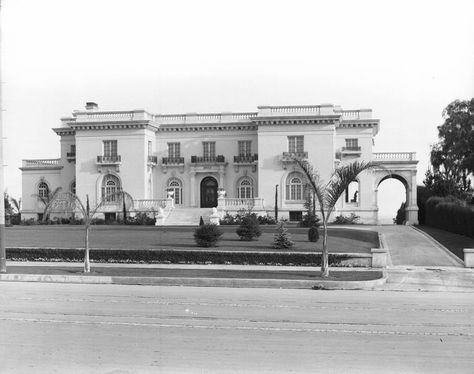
(225,160)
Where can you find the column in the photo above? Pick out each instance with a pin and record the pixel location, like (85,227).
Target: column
(192,188)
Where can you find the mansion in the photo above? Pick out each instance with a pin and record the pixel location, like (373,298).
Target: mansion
(181,166)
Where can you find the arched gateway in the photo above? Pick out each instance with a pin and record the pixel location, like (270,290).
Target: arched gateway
(208,192)
(400,166)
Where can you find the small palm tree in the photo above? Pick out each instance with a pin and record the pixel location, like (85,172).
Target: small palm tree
(47,200)
(74,203)
(328,194)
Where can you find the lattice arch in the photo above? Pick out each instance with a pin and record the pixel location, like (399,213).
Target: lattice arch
(245,189)
(175,185)
(110,186)
(295,184)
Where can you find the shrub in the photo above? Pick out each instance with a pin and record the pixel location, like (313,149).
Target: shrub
(346,220)
(141,218)
(236,219)
(282,238)
(266,220)
(207,235)
(310,220)
(401,215)
(450,214)
(249,228)
(313,234)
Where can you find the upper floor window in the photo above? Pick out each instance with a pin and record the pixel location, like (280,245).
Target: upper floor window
(43,190)
(73,187)
(209,149)
(110,148)
(150,148)
(245,148)
(174,150)
(73,148)
(352,143)
(295,144)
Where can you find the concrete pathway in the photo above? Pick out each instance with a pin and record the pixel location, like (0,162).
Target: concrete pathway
(411,247)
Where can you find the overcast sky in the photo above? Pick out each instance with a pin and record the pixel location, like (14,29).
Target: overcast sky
(404,59)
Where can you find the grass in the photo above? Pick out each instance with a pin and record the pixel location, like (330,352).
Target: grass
(199,273)
(454,242)
(171,238)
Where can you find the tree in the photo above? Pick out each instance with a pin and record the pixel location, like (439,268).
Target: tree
(328,194)
(47,199)
(282,238)
(69,202)
(453,156)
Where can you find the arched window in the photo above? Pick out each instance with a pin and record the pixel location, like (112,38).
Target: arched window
(352,192)
(73,187)
(43,190)
(245,189)
(174,185)
(294,187)
(110,187)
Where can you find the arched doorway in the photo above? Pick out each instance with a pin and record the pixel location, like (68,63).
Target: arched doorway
(208,192)
(392,191)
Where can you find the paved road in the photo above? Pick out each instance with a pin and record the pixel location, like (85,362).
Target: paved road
(64,328)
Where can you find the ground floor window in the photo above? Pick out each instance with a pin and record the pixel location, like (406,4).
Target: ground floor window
(245,189)
(110,187)
(296,216)
(175,185)
(294,187)
(352,192)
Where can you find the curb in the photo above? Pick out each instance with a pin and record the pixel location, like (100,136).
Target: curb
(198,282)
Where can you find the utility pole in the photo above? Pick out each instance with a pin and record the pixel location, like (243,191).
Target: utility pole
(3,253)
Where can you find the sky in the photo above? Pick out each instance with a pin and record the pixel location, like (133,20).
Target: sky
(407,60)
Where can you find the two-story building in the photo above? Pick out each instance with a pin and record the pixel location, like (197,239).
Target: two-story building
(230,161)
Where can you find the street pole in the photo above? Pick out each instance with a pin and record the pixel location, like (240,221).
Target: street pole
(276,202)
(3,253)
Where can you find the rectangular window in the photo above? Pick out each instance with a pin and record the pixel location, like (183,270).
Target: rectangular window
(174,150)
(73,148)
(150,148)
(245,148)
(110,148)
(295,144)
(352,143)
(209,149)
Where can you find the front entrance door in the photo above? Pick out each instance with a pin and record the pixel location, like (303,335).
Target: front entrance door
(208,193)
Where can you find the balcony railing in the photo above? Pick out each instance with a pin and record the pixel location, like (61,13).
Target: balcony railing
(395,156)
(71,154)
(245,159)
(41,164)
(291,156)
(152,160)
(172,160)
(109,160)
(351,149)
(207,159)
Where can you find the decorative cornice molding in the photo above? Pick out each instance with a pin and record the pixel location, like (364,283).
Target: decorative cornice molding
(270,121)
(109,125)
(205,127)
(64,131)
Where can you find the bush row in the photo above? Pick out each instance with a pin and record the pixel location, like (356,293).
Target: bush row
(150,256)
(450,214)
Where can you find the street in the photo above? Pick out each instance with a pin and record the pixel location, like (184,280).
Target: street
(67,328)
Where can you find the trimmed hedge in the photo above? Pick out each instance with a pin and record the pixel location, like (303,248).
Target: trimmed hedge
(449,214)
(151,256)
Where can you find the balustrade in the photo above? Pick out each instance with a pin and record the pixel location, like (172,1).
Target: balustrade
(395,156)
(50,162)
(207,159)
(172,160)
(109,160)
(246,158)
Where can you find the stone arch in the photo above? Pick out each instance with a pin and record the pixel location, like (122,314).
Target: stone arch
(408,179)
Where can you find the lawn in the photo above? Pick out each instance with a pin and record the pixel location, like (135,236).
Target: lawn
(454,242)
(150,237)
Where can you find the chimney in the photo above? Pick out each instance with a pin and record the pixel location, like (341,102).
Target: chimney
(91,106)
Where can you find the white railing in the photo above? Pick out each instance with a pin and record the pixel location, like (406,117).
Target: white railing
(105,116)
(230,203)
(394,156)
(149,204)
(243,116)
(310,109)
(203,117)
(350,114)
(41,163)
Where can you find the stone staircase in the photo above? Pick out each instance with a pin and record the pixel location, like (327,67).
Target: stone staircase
(187,216)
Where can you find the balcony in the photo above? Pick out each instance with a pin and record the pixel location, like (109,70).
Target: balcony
(152,160)
(208,159)
(172,162)
(109,160)
(71,156)
(351,151)
(246,160)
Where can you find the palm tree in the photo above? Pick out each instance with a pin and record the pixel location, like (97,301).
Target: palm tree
(328,194)
(74,203)
(47,199)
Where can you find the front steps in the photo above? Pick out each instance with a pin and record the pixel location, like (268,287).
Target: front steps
(187,216)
